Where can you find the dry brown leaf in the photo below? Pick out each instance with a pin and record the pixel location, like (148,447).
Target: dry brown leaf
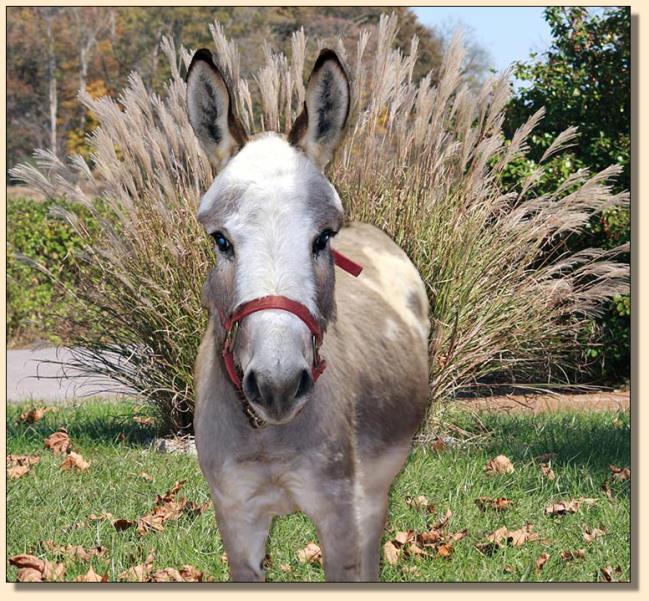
(74,461)
(310,554)
(22,460)
(104,516)
(591,535)
(150,523)
(453,538)
(420,503)
(563,507)
(570,555)
(403,537)
(502,535)
(224,559)
(540,561)
(18,471)
(547,471)
(147,477)
(508,569)
(443,522)
(391,553)
(284,567)
(606,487)
(27,565)
(121,437)
(139,573)
(74,550)
(29,575)
(431,538)
(445,550)
(122,524)
(522,535)
(609,574)
(499,504)
(191,574)
(414,550)
(59,442)
(620,474)
(91,576)
(166,575)
(35,415)
(499,465)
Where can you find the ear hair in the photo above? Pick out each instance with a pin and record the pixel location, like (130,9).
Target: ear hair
(319,127)
(211,110)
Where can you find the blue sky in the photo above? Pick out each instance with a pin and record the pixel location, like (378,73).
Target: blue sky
(508,34)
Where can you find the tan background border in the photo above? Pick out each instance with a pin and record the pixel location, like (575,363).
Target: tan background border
(640,534)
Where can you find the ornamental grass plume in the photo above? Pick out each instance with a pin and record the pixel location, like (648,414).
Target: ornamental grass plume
(425,162)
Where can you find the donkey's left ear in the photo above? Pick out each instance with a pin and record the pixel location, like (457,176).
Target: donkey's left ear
(319,128)
(211,112)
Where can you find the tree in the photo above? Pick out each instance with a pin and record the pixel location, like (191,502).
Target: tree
(584,80)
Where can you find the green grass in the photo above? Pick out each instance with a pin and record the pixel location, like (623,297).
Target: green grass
(47,503)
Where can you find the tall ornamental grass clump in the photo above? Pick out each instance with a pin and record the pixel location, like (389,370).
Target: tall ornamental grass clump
(423,162)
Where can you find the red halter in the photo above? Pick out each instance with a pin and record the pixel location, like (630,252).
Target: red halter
(231,324)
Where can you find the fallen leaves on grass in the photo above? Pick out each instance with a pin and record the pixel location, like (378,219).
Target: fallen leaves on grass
(420,503)
(104,516)
(503,536)
(548,472)
(609,574)
(33,569)
(620,474)
(185,574)
(564,507)
(499,465)
(73,550)
(59,442)
(91,576)
(591,534)
(74,461)
(19,465)
(540,561)
(167,507)
(499,504)
(144,421)
(571,555)
(34,415)
(310,554)
(140,572)
(391,553)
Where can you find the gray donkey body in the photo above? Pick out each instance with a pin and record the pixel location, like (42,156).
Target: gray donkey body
(331,445)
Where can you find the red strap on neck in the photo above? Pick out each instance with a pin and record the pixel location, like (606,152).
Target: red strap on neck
(231,324)
(346,263)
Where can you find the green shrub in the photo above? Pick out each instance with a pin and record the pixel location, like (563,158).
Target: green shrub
(41,261)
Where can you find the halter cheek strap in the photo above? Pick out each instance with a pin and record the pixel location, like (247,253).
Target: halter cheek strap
(282,303)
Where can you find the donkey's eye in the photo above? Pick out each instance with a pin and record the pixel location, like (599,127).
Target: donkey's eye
(320,243)
(222,243)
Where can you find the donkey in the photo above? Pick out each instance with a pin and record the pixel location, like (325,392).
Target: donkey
(289,417)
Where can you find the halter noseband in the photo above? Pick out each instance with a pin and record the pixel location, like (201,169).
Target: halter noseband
(282,303)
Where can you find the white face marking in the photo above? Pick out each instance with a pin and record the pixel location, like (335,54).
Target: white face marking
(271,225)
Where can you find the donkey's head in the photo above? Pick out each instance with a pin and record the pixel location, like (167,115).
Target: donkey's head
(271,212)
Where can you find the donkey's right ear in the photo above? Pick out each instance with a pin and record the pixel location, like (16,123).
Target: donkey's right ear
(211,112)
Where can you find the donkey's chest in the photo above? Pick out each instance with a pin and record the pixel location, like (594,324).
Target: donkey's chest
(268,488)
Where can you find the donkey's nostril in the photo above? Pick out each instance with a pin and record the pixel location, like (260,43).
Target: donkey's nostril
(250,386)
(306,383)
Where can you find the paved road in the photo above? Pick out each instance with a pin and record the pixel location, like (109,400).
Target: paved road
(30,377)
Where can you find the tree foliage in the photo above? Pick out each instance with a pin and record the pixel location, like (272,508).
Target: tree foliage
(584,80)
(113,42)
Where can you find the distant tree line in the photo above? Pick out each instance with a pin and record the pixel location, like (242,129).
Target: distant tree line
(53,52)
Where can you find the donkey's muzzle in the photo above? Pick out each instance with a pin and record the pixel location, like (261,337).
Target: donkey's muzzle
(279,396)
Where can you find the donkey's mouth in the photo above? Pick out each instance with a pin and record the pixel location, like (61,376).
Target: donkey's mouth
(273,419)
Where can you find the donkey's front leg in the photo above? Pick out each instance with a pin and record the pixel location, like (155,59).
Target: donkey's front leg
(244,531)
(334,514)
